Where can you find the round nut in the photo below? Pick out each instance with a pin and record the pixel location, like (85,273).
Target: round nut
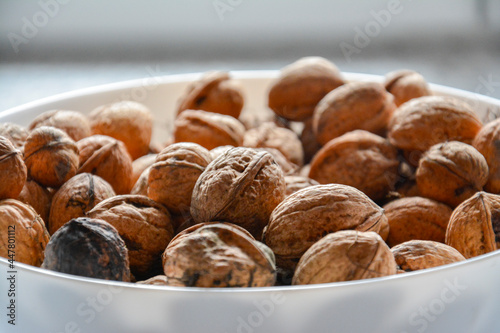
(487,142)
(16,134)
(405,85)
(13,172)
(73,123)
(37,196)
(141,185)
(287,167)
(141,164)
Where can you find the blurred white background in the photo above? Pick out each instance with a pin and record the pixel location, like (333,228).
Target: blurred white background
(52,46)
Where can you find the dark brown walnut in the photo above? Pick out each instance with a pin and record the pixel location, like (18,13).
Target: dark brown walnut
(73,123)
(158,280)
(16,134)
(345,256)
(88,247)
(287,167)
(127,121)
(425,121)
(243,186)
(141,164)
(208,129)
(421,254)
(51,156)
(13,171)
(143,224)
(416,218)
(295,183)
(360,159)
(76,197)
(307,215)
(310,144)
(451,172)
(301,85)
(173,175)
(217,255)
(474,226)
(27,233)
(214,92)
(487,142)
(107,158)
(37,196)
(406,84)
(141,185)
(268,135)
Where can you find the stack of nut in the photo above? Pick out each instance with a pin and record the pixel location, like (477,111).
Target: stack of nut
(334,181)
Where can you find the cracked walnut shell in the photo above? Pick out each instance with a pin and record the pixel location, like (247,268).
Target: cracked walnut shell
(13,171)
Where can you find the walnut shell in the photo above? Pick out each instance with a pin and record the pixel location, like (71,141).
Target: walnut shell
(143,224)
(243,186)
(51,156)
(13,171)
(88,247)
(76,197)
(296,183)
(416,218)
(217,255)
(173,175)
(310,144)
(405,85)
(307,215)
(107,158)
(141,164)
(141,185)
(158,280)
(73,123)
(345,256)
(127,121)
(21,223)
(340,159)
(287,167)
(451,172)
(487,142)
(474,226)
(357,105)
(37,196)
(208,129)
(16,134)
(301,85)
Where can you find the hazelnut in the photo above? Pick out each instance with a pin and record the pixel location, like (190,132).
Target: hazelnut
(16,134)
(73,123)
(451,172)
(141,164)
(405,85)
(301,85)
(37,196)
(12,170)
(51,156)
(487,142)
(357,105)
(295,183)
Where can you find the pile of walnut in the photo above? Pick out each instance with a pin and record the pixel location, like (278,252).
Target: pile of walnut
(343,181)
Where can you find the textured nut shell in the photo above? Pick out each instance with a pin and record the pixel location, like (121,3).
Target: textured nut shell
(243,186)
(416,218)
(474,226)
(38,197)
(127,121)
(158,280)
(421,254)
(301,86)
(310,144)
(306,216)
(73,123)
(357,105)
(487,142)
(76,197)
(405,85)
(31,236)
(173,175)
(141,185)
(107,158)
(423,122)
(16,134)
(345,256)
(451,172)
(287,167)
(217,224)
(51,156)
(217,255)
(296,183)
(360,159)
(141,164)
(13,172)
(88,247)
(142,223)
(208,129)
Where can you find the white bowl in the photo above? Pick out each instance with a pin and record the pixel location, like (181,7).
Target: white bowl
(461,297)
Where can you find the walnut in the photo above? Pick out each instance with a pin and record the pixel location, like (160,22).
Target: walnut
(107,158)
(13,171)
(487,142)
(451,172)
(217,151)
(141,164)
(51,156)
(16,134)
(474,226)
(301,85)
(208,129)
(127,121)
(345,256)
(357,105)
(141,185)
(143,224)
(76,197)
(287,167)
(416,218)
(243,186)
(295,183)
(217,255)
(158,280)
(88,247)
(21,223)
(405,85)
(310,144)
(340,159)
(37,196)
(73,123)
(421,254)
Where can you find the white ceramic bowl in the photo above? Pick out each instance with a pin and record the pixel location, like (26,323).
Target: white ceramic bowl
(462,297)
